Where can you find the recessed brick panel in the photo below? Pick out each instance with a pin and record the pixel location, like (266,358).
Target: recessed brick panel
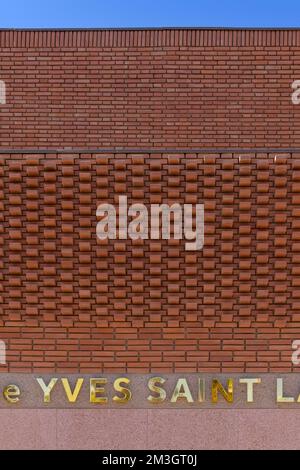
(71,302)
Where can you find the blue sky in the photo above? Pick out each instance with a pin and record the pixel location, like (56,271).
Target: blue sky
(145,13)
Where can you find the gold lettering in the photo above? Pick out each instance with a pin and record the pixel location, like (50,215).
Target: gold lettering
(218,387)
(250,383)
(96,389)
(11,393)
(72,396)
(156,389)
(279,393)
(125,391)
(47,389)
(201,390)
(184,393)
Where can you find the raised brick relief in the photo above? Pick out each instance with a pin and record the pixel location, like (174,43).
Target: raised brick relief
(71,302)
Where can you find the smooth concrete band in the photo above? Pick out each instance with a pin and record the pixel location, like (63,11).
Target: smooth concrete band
(149,429)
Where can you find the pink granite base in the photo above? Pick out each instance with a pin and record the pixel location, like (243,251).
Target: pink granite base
(149,429)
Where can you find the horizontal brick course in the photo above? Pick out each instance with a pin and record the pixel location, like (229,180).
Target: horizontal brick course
(189,37)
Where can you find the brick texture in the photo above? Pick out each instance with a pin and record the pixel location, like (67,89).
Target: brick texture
(71,302)
(168,89)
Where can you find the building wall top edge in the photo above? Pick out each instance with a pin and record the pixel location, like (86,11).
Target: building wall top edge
(150,37)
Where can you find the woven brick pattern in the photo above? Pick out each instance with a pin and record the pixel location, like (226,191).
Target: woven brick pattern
(71,302)
(178,89)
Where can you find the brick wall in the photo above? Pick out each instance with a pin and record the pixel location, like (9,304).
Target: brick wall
(72,302)
(177,89)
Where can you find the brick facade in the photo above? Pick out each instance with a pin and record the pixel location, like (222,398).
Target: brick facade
(178,89)
(69,302)
(72,302)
